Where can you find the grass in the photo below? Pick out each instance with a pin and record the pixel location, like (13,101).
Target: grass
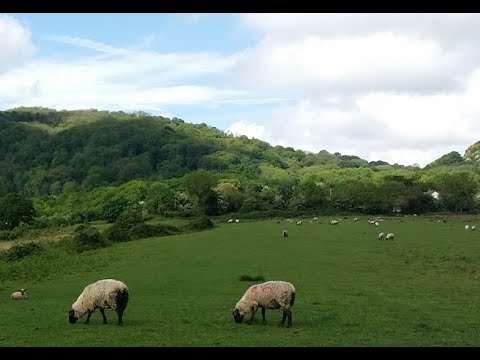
(352,290)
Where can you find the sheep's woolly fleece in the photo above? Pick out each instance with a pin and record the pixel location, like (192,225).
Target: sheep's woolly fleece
(101,294)
(269,294)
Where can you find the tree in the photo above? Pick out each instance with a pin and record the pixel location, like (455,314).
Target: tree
(199,186)
(457,190)
(14,210)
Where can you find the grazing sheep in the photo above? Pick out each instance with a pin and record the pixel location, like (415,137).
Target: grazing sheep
(267,295)
(230,221)
(285,233)
(381,236)
(237,220)
(356,219)
(390,236)
(103,294)
(299,222)
(376,223)
(20,294)
(466,227)
(334,222)
(315,218)
(473,227)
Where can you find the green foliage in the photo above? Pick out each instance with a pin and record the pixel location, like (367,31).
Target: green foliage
(117,233)
(129,219)
(199,224)
(87,237)
(251,278)
(20,251)
(142,230)
(14,210)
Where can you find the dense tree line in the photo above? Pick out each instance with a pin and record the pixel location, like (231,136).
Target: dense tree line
(79,166)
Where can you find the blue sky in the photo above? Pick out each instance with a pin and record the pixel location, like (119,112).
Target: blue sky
(402,88)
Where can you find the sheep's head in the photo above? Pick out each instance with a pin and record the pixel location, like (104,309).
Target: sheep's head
(238,316)
(71,317)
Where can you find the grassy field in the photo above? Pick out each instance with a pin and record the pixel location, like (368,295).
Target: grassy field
(421,289)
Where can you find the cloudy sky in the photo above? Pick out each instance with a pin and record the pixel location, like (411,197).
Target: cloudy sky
(402,88)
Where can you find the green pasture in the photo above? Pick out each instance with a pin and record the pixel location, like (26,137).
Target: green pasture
(421,289)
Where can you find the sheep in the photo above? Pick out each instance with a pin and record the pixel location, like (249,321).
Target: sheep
(390,236)
(285,233)
(299,222)
(356,219)
(381,236)
(315,218)
(473,227)
(334,222)
(230,221)
(20,294)
(237,220)
(466,227)
(275,294)
(103,294)
(376,223)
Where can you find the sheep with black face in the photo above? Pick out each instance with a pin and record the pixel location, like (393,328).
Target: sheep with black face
(268,295)
(103,294)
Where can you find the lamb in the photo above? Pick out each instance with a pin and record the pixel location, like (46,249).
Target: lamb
(103,294)
(268,295)
(285,233)
(390,236)
(20,294)
(381,236)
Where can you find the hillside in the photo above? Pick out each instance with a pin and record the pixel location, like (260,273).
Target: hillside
(44,150)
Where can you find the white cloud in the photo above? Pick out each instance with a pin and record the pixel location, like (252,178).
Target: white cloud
(402,88)
(397,128)
(15,42)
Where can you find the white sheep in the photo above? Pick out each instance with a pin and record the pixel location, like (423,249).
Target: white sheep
(466,227)
(376,223)
(473,227)
(230,221)
(390,236)
(334,222)
(268,295)
(299,222)
(315,218)
(285,233)
(356,219)
(381,236)
(103,294)
(237,220)
(20,294)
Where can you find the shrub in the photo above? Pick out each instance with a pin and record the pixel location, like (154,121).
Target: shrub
(117,233)
(142,230)
(251,278)
(129,219)
(19,251)
(86,237)
(201,223)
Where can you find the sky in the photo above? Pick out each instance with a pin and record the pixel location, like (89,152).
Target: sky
(401,88)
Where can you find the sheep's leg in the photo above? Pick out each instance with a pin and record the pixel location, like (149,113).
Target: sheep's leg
(120,315)
(289,322)
(103,315)
(263,316)
(254,310)
(284,318)
(88,318)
